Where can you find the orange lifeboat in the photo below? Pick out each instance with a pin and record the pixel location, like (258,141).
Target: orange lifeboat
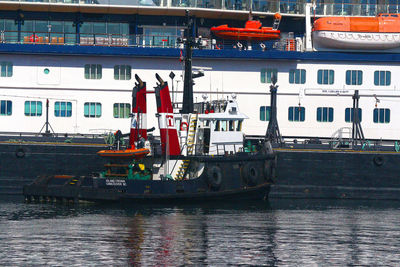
(251,31)
(125,153)
(377,33)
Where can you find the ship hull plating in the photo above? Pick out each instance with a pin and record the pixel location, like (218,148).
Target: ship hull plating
(337,174)
(299,173)
(230,178)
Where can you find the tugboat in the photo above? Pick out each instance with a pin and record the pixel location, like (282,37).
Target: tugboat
(199,156)
(210,164)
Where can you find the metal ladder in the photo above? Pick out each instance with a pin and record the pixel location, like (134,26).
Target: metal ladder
(190,142)
(342,139)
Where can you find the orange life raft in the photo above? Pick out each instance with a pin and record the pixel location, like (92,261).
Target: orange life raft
(251,31)
(384,23)
(125,153)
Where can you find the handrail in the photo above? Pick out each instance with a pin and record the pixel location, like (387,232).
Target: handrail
(135,40)
(290,7)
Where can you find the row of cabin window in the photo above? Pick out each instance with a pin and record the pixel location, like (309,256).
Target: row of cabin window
(325,114)
(227,125)
(325,76)
(296,76)
(92,71)
(64,109)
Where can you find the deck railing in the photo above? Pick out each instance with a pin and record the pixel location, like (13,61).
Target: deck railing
(56,38)
(293,7)
(288,42)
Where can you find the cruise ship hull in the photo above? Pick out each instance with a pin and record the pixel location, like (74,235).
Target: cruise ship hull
(320,173)
(300,173)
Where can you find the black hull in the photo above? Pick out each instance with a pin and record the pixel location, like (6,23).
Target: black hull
(303,173)
(109,196)
(22,163)
(232,178)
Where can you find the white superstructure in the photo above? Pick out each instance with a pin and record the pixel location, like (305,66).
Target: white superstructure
(314,97)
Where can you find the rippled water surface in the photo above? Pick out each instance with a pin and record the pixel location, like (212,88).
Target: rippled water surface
(278,233)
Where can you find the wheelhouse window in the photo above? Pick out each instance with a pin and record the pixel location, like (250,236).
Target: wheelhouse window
(6,69)
(62,109)
(297,76)
(122,110)
(232,125)
(122,72)
(297,113)
(381,115)
(33,108)
(354,77)
(266,75)
(217,125)
(265,113)
(325,114)
(93,71)
(92,110)
(5,108)
(349,114)
(326,76)
(382,78)
(224,126)
(239,125)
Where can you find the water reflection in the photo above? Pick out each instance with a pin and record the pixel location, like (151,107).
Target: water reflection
(295,232)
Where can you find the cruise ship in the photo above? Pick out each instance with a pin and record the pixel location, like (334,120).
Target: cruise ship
(67,66)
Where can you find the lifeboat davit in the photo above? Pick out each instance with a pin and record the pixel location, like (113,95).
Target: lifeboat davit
(136,153)
(357,33)
(253,30)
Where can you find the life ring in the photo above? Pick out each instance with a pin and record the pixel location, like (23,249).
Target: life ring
(34,38)
(214,177)
(250,174)
(20,153)
(184,123)
(379,160)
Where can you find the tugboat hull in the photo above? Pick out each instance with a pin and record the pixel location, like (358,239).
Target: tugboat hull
(221,180)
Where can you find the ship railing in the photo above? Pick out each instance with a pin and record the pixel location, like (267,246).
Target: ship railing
(312,142)
(217,149)
(288,41)
(290,7)
(342,138)
(59,38)
(21,136)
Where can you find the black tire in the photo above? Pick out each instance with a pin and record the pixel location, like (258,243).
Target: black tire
(20,153)
(251,174)
(379,160)
(214,177)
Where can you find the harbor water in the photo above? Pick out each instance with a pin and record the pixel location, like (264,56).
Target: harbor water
(274,233)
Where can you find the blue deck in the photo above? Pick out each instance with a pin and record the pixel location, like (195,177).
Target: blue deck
(174,53)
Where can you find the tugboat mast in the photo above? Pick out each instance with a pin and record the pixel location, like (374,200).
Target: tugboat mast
(273,134)
(189,42)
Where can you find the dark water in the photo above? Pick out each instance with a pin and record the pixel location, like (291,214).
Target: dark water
(278,233)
